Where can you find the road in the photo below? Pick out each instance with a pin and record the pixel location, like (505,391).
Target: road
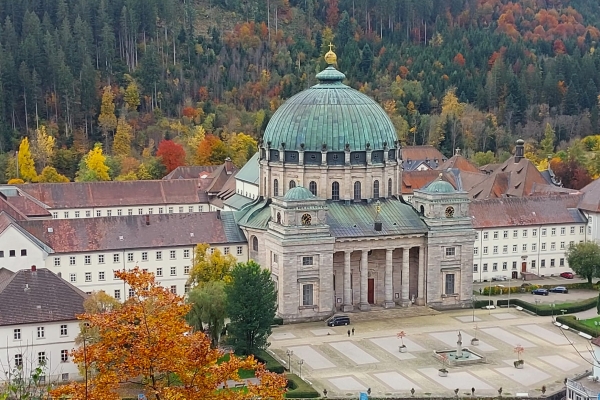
(550,280)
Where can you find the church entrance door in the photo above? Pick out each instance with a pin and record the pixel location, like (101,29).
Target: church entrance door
(524,266)
(371,291)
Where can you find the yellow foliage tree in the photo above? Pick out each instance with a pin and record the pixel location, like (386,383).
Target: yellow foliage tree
(148,341)
(122,142)
(132,94)
(210,267)
(50,174)
(94,166)
(242,147)
(16,181)
(26,164)
(107,119)
(452,110)
(43,146)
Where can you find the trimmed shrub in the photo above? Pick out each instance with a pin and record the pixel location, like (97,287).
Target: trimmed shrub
(271,364)
(483,303)
(546,309)
(572,322)
(277,321)
(299,389)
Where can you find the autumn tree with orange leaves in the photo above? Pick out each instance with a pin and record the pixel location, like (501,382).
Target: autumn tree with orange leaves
(171,154)
(147,342)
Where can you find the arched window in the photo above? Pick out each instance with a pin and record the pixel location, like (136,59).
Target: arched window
(279,218)
(254,243)
(390,187)
(292,184)
(312,186)
(357,194)
(275,187)
(335,191)
(375,189)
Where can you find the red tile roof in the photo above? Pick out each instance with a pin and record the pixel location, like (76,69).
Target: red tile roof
(524,211)
(460,163)
(591,197)
(414,180)
(422,153)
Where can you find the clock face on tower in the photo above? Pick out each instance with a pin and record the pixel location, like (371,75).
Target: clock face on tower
(449,212)
(306,218)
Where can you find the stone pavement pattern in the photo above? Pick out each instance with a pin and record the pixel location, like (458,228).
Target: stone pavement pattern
(371,359)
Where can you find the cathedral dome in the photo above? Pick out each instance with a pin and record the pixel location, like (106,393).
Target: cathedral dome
(298,193)
(439,186)
(332,117)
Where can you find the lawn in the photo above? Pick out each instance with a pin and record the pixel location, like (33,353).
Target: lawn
(590,322)
(244,373)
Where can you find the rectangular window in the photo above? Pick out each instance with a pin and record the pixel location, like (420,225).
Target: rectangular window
(505,234)
(115,275)
(307,295)
(17,334)
(140,211)
(239,250)
(307,261)
(2,254)
(71,260)
(475,250)
(159,271)
(57,261)
(515,234)
(18,360)
(170,210)
(98,213)
(476,235)
(64,355)
(129,257)
(119,212)
(515,248)
(76,214)
(572,230)
(88,213)
(150,210)
(581,229)
(450,251)
(504,266)
(116,257)
(495,234)
(543,232)
(552,263)
(226,250)
(525,247)
(40,332)
(561,262)
(180,209)
(524,233)
(73,278)
(542,263)
(475,267)
(101,275)
(160,210)
(514,265)
(533,246)
(117,294)
(63,330)
(571,243)
(494,267)
(144,256)
(100,258)
(553,246)
(130,211)
(42,358)
(54,215)
(173,271)
(159,255)
(533,264)
(130,293)
(563,231)
(23,252)
(553,232)
(191,209)
(174,289)
(66,215)
(186,288)
(109,213)
(543,246)
(485,235)
(87,260)
(485,250)
(65,377)
(449,284)
(495,249)
(172,254)
(88,276)
(485,267)
(534,232)
(12,253)
(186,254)
(186,269)
(200,208)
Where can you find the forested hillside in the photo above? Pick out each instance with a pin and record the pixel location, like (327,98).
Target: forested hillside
(206,75)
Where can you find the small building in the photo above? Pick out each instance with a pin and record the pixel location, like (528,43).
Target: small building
(38,324)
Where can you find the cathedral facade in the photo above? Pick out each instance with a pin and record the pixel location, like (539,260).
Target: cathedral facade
(330,223)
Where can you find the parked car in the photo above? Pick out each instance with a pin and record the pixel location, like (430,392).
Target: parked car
(338,320)
(541,292)
(499,278)
(568,275)
(559,289)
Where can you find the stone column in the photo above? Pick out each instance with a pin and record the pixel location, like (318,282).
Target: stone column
(347,283)
(364,281)
(389,295)
(405,276)
(421,298)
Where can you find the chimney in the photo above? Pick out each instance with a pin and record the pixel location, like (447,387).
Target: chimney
(519,150)
(457,151)
(218,214)
(33,268)
(147,220)
(228,166)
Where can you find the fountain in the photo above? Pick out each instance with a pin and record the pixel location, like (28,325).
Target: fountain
(460,356)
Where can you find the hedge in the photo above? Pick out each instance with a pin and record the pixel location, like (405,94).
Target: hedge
(499,289)
(572,322)
(299,389)
(277,321)
(546,309)
(271,364)
(483,303)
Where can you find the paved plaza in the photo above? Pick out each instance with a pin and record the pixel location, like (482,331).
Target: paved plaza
(371,358)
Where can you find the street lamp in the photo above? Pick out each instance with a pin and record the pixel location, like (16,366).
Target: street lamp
(289,353)
(300,364)
(537,303)
(473,298)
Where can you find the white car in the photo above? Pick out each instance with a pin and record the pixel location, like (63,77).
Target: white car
(499,278)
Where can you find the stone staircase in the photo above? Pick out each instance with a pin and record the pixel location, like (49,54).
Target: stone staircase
(389,313)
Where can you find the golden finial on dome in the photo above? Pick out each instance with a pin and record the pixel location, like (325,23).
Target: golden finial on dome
(330,57)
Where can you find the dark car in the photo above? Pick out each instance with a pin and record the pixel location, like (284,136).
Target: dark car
(568,275)
(338,320)
(541,292)
(559,289)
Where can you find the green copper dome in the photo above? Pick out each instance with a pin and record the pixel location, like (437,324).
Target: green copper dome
(299,193)
(439,186)
(332,114)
